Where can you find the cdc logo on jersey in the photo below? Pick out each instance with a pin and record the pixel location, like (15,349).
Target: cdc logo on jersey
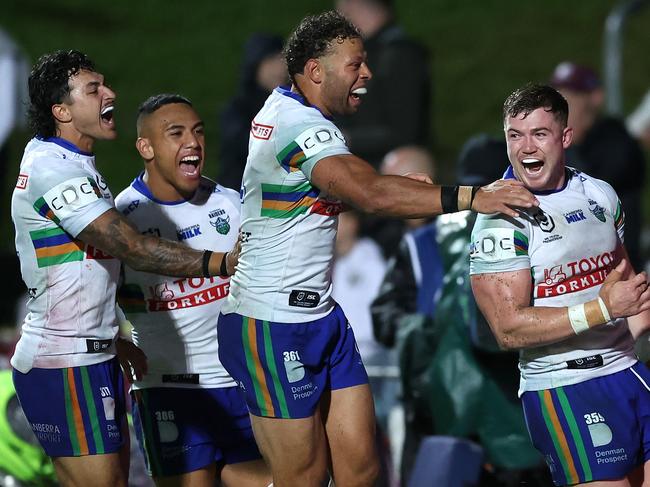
(493,244)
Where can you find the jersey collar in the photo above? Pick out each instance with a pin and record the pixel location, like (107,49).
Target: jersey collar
(286,91)
(568,174)
(141,187)
(66,144)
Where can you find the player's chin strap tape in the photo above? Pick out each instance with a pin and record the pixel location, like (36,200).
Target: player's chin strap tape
(457,198)
(584,316)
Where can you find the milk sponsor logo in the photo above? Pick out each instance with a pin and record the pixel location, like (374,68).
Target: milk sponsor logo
(575,216)
(575,276)
(188,232)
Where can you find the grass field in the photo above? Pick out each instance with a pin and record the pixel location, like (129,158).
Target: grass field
(481,51)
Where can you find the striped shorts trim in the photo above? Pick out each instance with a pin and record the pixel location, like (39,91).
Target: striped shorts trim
(75,411)
(284,368)
(598,429)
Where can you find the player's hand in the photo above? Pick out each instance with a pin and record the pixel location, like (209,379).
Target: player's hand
(625,297)
(419,176)
(502,196)
(232,257)
(132,359)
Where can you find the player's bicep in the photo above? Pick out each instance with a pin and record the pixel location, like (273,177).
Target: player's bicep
(501,296)
(343,177)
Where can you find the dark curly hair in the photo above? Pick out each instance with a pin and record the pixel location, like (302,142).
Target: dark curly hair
(48,85)
(533,96)
(313,38)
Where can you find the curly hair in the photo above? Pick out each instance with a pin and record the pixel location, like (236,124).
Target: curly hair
(533,96)
(48,85)
(313,38)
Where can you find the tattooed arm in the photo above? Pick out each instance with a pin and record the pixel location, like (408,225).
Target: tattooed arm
(115,235)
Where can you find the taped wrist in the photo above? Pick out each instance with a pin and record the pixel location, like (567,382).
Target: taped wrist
(586,315)
(205,266)
(223,268)
(457,198)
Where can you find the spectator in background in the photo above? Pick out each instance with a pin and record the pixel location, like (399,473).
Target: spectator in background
(638,123)
(602,147)
(262,69)
(388,232)
(14,71)
(396,109)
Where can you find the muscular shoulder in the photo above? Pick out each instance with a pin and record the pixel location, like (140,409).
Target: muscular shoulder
(499,243)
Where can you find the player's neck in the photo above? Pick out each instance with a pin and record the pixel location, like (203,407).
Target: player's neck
(310,96)
(81,141)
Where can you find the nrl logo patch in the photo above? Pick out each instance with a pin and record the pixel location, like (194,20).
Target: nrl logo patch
(597,210)
(545,222)
(222,225)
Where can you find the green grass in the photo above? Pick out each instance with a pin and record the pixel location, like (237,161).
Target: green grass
(481,50)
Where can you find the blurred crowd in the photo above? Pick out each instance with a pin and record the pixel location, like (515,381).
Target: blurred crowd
(435,368)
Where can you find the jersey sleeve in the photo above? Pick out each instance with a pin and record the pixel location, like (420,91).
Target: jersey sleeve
(304,140)
(499,244)
(69,197)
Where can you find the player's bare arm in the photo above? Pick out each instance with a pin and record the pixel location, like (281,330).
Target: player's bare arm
(354,181)
(504,300)
(115,235)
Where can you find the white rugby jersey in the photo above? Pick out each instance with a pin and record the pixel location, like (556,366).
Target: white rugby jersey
(71,308)
(568,245)
(175,319)
(284,271)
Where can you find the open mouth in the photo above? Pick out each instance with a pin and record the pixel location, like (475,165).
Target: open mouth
(532,165)
(190,165)
(107,114)
(356,94)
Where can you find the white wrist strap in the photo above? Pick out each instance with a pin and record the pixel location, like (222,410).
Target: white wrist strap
(604,310)
(585,315)
(578,318)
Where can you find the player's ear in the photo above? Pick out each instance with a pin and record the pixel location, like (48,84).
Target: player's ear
(144,148)
(61,113)
(314,70)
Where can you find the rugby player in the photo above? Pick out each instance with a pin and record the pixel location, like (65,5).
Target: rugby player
(556,283)
(70,240)
(189,414)
(281,335)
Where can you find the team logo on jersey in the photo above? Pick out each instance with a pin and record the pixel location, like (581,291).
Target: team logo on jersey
(544,221)
(222,225)
(575,216)
(597,210)
(188,232)
(261,131)
(22,181)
